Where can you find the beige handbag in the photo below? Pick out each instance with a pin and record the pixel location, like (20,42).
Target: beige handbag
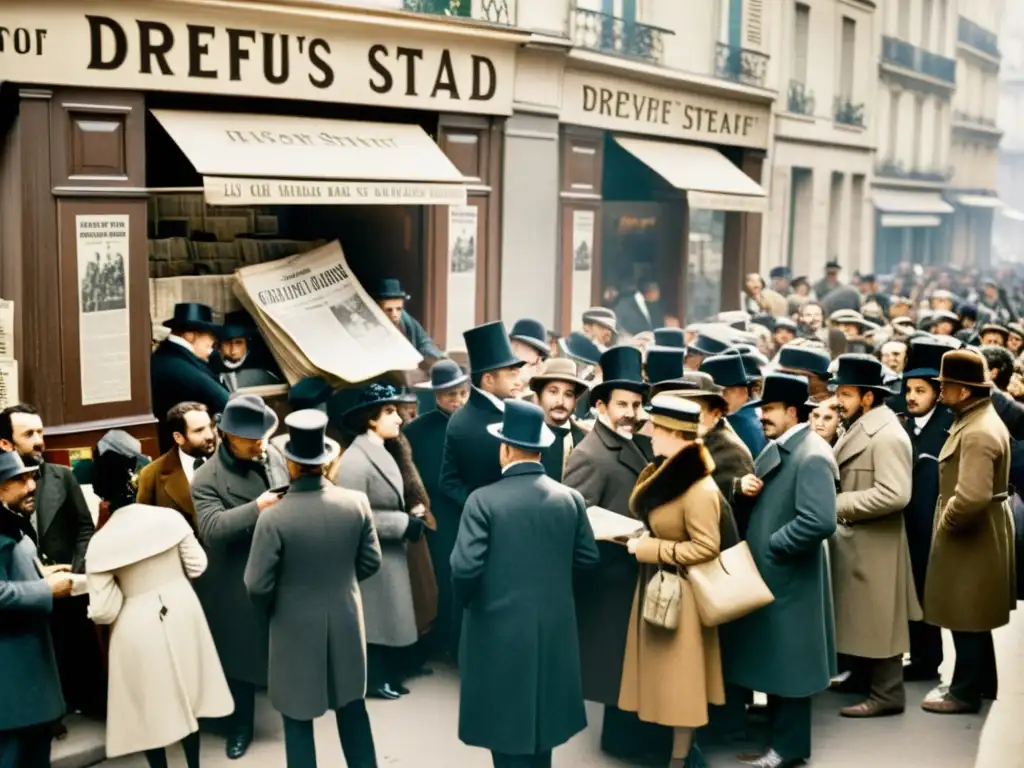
(727,587)
(662,597)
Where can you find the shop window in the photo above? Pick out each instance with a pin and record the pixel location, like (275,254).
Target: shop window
(704,264)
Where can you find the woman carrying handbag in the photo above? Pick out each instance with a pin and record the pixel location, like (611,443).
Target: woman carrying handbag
(673,668)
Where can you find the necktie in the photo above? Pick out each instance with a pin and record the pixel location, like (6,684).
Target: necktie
(567,447)
(198,462)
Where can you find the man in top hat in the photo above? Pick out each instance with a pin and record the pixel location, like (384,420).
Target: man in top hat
(240,347)
(787,649)
(830,281)
(812,362)
(707,344)
(530,344)
(391,298)
(729,373)
(520,539)
(664,367)
(229,492)
(674,338)
(558,387)
(604,468)
(970,587)
(470,456)
(309,552)
(927,423)
(600,325)
(871,575)
(167,482)
(179,368)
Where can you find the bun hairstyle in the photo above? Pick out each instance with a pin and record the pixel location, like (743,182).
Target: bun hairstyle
(116,461)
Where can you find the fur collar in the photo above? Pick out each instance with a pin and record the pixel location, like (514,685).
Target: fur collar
(665,480)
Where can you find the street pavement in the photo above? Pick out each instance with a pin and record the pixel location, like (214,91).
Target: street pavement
(421,730)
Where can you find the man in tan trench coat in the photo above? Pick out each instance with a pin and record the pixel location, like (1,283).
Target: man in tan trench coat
(871,577)
(970,587)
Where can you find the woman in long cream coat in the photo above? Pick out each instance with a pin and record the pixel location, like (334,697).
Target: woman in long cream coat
(164,672)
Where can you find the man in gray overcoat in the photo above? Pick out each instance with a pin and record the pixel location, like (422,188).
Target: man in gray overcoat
(518,543)
(32,699)
(229,492)
(787,649)
(309,553)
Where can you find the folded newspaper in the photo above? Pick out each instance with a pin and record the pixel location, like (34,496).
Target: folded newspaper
(318,320)
(609,525)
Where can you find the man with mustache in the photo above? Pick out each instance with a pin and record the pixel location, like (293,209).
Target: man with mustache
(558,388)
(604,468)
(167,482)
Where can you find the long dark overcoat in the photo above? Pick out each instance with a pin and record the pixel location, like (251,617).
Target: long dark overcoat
(604,468)
(177,375)
(732,461)
(747,425)
(553,457)
(224,492)
(31,685)
(512,567)
(788,648)
(309,553)
(63,520)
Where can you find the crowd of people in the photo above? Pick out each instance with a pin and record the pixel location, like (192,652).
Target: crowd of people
(854,442)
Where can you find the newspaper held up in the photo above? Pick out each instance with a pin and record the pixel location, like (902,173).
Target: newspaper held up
(610,525)
(318,320)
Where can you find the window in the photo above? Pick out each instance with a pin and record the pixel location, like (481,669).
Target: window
(620,9)
(801,34)
(848,53)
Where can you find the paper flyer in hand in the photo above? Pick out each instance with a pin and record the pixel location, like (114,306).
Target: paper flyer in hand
(608,525)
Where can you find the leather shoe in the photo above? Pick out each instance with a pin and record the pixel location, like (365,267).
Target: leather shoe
(399,688)
(384,692)
(871,708)
(770,759)
(237,745)
(915,674)
(948,704)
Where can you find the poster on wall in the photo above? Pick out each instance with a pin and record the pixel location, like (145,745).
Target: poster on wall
(462,263)
(104,336)
(582,264)
(6,329)
(9,383)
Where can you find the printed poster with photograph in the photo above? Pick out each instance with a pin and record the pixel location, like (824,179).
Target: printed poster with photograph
(103,328)
(582,264)
(462,262)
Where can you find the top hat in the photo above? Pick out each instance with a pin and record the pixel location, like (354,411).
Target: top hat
(621,368)
(578,347)
(753,361)
(601,316)
(727,370)
(786,388)
(248,417)
(778,273)
(310,392)
(558,369)
(858,370)
(533,333)
(962,366)
(708,345)
(237,325)
(675,412)
(307,441)
(664,364)
(924,357)
(192,316)
(523,426)
(489,349)
(344,403)
(390,288)
(11,466)
(669,337)
(445,374)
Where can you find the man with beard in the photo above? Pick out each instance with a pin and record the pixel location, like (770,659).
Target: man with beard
(241,348)
(604,468)
(871,575)
(32,701)
(558,387)
(62,526)
(927,423)
(167,482)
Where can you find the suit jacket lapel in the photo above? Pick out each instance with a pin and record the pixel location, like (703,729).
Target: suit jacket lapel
(48,498)
(853,443)
(175,481)
(768,460)
(378,456)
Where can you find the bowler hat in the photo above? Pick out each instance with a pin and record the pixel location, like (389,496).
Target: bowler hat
(489,349)
(558,369)
(248,417)
(307,441)
(445,374)
(310,392)
(833,265)
(192,316)
(669,337)
(390,288)
(924,356)
(601,316)
(1015,329)
(995,328)
(753,360)
(523,426)
(345,403)
(708,345)
(962,366)
(727,370)
(621,368)
(943,315)
(779,273)
(533,333)
(664,364)
(237,325)
(696,385)
(858,370)
(11,466)
(578,347)
(786,388)
(786,324)
(674,411)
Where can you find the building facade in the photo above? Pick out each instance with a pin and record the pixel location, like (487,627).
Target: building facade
(823,154)
(1008,234)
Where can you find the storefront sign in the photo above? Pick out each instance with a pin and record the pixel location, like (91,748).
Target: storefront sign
(231,191)
(617,104)
(166,48)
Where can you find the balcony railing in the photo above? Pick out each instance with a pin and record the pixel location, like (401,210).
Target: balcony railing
(965,117)
(848,113)
(801,99)
(894,169)
(740,65)
(622,37)
(902,54)
(494,11)
(978,37)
